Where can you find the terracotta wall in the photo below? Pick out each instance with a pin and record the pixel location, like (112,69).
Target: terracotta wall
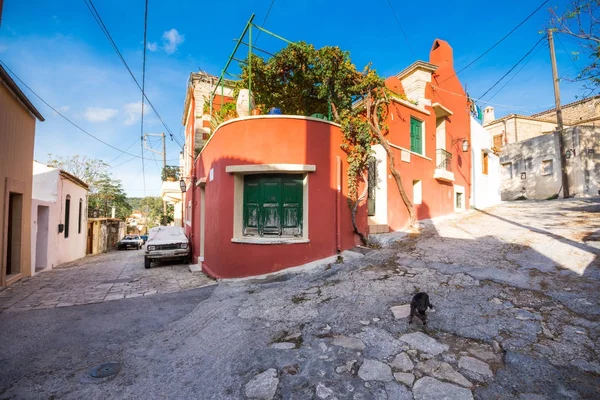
(438,196)
(271,140)
(17,133)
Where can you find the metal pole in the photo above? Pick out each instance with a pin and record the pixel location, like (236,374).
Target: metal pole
(274,35)
(559,120)
(250,70)
(164,152)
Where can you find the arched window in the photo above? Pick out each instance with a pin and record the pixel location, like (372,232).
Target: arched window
(80,211)
(67,215)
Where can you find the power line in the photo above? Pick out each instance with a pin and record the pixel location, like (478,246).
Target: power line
(59,113)
(143,95)
(513,67)
(127,149)
(104,29)
(516,73)
(264,21)
(401,30)
(498,42)
(566,51)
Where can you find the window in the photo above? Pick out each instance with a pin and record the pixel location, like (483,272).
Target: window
(79,217)
(498,141)
(459,201)
(67,215)
(547,167)
(507,171)
(273,205)
(416,136)
(417,192)
(484,163)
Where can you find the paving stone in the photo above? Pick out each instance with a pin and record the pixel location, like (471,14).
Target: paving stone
(402,311)
(444,371)
(349,343)
(428,388)
(323,392)
(405,378)
(424,343)
(263,386)
(283,346)
(402,362)
(373,370)
(346,367)
(479,368)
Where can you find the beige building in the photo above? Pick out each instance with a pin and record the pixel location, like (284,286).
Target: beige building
(17,135)
(516,128)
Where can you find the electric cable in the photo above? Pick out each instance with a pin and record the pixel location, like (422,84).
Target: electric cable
(401,29)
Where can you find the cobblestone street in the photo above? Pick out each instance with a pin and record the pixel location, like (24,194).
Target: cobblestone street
(517,316)
(104,277)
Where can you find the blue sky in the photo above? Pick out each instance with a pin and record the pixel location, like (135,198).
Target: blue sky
(61,53)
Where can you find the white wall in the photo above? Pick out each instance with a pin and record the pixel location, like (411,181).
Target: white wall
(50,189)
(486,188)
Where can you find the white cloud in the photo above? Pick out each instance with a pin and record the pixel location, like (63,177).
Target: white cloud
(98,114)
(153,46)
(133,111)
(172,39)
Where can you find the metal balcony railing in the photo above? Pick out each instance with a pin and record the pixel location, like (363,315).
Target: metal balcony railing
(444,160)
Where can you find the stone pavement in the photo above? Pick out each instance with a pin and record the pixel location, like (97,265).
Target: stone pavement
(517,316)
(103,277)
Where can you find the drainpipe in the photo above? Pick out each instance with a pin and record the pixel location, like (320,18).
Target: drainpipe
(338,205)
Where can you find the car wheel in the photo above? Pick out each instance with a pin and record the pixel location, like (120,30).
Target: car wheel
(147,262)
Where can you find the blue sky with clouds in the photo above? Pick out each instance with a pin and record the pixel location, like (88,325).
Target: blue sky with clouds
(60,52)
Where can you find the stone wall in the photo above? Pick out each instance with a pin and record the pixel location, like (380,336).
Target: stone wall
(531,168)
(580,111)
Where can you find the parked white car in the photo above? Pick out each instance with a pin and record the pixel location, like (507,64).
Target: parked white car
(130,242)
(166,243)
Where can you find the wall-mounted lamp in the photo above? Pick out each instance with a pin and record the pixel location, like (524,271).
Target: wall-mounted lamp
(182,185)
(465,143)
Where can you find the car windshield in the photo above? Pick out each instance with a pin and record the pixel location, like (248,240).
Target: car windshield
(130,237)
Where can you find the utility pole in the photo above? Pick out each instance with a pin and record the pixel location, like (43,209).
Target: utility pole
(559,120)
(164,166)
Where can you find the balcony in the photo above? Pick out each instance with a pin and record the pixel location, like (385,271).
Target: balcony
(443,170)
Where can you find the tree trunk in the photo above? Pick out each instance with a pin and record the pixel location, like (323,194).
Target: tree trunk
(373,119)
(354,209)
(412,217)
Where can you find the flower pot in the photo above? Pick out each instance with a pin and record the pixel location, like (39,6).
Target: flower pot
(256,111)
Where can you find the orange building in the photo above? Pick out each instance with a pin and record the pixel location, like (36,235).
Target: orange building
(269,192)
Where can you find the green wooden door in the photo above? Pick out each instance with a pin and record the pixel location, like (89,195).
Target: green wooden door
(252,199)
(291,206)
(416,136)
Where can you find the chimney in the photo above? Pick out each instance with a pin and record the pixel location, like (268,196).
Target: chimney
(488,115)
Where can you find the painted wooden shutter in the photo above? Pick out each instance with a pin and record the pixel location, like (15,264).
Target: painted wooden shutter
(271,205)
(416,136)
(251,205)
(291,205)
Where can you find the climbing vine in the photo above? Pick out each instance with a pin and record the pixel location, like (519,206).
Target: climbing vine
(303,80)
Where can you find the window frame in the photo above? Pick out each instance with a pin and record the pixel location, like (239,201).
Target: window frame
(485,162)
(239,171)
(80,216)
(421,150)
(543,172)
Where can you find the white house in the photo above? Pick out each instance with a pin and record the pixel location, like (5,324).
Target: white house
(485,168)
(59,217)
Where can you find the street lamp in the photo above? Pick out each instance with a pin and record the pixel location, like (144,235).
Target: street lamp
(182,185)
(465,143)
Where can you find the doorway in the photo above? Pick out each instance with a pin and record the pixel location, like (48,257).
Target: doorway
(41,241)
(90,238)
(14,237)
(202,217)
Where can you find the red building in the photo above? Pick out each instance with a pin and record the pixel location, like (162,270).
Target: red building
(269,192)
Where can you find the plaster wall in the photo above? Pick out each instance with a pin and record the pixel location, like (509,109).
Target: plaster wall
(270,140)
(486,187)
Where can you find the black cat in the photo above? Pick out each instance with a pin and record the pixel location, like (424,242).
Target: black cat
(418,306)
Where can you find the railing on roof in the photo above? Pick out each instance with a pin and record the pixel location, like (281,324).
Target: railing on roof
(251,47)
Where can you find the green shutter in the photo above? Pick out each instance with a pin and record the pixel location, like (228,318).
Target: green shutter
(416,136)
(273,205)
(251,204)
(291,206)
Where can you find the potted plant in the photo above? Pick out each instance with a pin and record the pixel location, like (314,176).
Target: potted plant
(170,173)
